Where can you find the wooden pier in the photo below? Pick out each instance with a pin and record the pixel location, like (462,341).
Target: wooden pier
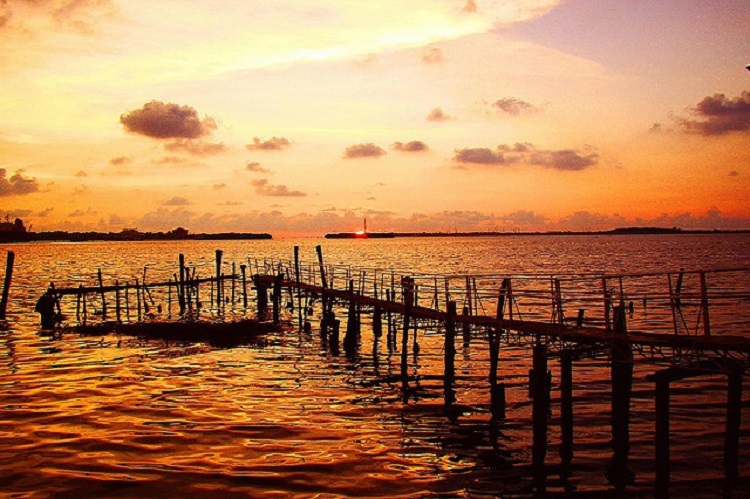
(684,323)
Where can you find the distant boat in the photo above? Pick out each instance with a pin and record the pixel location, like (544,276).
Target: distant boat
(360,234)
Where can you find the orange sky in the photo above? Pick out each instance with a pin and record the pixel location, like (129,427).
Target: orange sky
(304,116)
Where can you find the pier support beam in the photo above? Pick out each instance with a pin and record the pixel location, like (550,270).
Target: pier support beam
(618,473)
(566,406)
(540,410)
(449,375)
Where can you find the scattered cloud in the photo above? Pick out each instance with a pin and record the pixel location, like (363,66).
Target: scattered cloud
(719,115)
(218,187)
(28,17)
(524,218)
(272,144)
(432,55)
(470,7)
(45,212)
(733,173)
(120,161)
(263,188)
(17,184)
(167,121)
(256,168)
(196,147)
(176,201)
(412,146)
(437,114)
(513,106)
(81,173)
(368,150)
(82,213)
(527,154)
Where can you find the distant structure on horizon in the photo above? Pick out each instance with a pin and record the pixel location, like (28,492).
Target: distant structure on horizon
(360,234)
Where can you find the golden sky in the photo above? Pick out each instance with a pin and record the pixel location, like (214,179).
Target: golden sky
(300,117)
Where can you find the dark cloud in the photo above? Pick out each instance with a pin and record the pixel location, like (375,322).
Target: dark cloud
(524,217)
(437,114)
(432,55)
(120,160)
(368,150)
(256,168)
(45,212)
(263,188)
(272,144)
(17,184)
(167,121)
(171,160)
(479,156)
(412,146)
(525,153)
(513,106)
(733,173)
(176,201)
(719,115)
(82,213)
(196,147)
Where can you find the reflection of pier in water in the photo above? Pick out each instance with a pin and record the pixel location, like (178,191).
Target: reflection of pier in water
(685,324)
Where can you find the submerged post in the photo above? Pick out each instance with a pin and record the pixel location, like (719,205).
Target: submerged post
(6,286)
(219,284)
(181,284)
(103,295)
(243,270)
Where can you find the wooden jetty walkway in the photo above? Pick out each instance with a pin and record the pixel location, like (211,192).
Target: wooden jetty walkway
(684,323)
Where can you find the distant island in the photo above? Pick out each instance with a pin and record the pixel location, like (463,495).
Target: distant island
(16,232)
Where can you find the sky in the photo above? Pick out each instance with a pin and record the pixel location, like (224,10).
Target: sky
(301,117)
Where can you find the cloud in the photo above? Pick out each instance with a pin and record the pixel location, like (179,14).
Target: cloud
(733,173)
(513,106)
(120,161)
(719,115)
(263,188)
(524,217)
(527,154)
(272,144)
(176,201)
(479,156)
(31,16)
(413,146)
(432,55)
(81,173)
(17,184)
(256,168)
(437,114)
(470,7)
(167,121)
(196,147)
(218,187)
(368,150)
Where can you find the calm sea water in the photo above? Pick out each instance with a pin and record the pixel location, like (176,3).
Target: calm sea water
(118,416)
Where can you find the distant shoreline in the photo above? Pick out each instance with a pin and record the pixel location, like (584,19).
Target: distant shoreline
(613,232)
(64,236)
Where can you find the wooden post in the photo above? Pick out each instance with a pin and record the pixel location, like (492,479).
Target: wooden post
(377,322)
(618,474)
(277,299)
(297,282)
(234,282)
(662,436)
(103,295)
(180,285)
(407,285)
(243,269)
(389,320)
(352,328)
(138,297)
(333,340)
(449,375)
(605,294)
(219,284)
(10,259)
(566,406)
(540,410)
(497,390)
(117,301)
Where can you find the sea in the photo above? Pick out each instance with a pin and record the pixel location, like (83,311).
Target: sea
(286,416)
